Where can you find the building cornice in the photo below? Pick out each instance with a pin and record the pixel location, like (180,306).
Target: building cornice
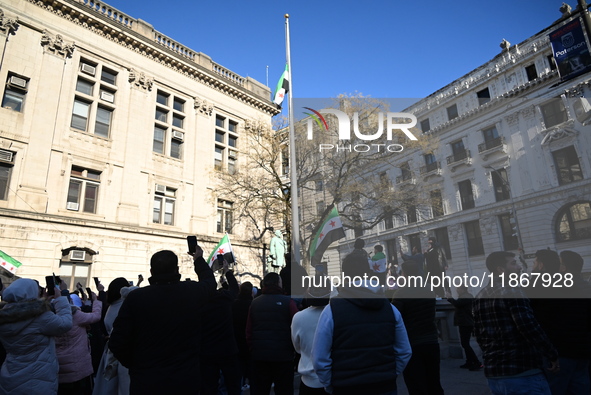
(134,34)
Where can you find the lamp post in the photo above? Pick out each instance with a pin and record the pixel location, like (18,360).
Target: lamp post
(513,216)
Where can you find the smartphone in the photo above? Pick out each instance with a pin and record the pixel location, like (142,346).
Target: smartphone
(192,243)
(89,293)
(131,283)
(96,281)
(50,285)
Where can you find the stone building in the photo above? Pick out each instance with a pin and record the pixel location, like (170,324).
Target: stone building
(512,168)
(111,136)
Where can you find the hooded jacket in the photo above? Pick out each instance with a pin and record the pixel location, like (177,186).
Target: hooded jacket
(26,329)
(73,348)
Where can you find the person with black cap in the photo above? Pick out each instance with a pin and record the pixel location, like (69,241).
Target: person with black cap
(157,333)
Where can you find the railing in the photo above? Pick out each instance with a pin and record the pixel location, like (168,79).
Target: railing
(458,156)
(406,176)
(430,167)
(173,45)
(225,73)
(109,12)
(490,144)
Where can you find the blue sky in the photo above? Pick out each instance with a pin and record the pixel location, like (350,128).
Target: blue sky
(383,49)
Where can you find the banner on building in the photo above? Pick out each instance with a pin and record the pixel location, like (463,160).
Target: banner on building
(570,50)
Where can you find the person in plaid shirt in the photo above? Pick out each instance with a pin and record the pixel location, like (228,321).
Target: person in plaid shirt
(513,343)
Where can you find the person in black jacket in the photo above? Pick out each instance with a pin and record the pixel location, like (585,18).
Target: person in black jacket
(465,322)
(268,333)
(157,333)
(219,351)
(436,265)
(240,309)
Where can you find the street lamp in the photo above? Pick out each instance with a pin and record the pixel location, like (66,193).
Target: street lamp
(513,220)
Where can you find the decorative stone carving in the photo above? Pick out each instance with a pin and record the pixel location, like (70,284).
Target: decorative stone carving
(559,133)
(454,231)
(7,25)
(488,224)
(203,106)
(140,81)
(565,9)
(56,45)
(512,119)
(528,112)
(505,45)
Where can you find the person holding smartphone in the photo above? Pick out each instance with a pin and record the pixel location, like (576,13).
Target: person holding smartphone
(31,367)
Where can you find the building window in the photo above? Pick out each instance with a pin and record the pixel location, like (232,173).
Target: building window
(500,184)
(568,168)
(459,152)
(15,92)
(491,139)
(411,215)
(574,222)
(466,194)
(164,201)
(392,252)
(169,134)
(452,112)
(6,165)
(319,186)
(285,161)
(553,112)
(94,102)
(430,163)
(405,173)
(226,147)
(225,218)
(551,62)
(510,241)
(74,271)
(320,206)
(483,96)
(83,190)
(425,125)
(388,220)
(474,238)
(436,203)
(357,226)
(443,240)
(531,72)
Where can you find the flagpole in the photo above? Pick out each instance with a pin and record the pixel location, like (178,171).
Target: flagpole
(295,220)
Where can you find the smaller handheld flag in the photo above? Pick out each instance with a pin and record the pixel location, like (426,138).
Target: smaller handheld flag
(223,248)
(9,263)
(282,87)
(329,230)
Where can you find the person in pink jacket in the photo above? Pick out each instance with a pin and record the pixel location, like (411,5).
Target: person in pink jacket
(73,352)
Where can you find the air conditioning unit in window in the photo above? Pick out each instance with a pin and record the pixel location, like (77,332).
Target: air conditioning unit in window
(107,96)
(18,82)
(178,135)
(6,156)
(88,69)
(72,206)
(232,154)
(160,188)
(77,255)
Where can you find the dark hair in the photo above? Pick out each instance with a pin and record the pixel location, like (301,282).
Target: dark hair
(164,262)
(572,261)
(497,259)
(246,289)
(432,239)
(378,248)
(114,290)
(359,243)
(550,260)
(271,279)
(411,268)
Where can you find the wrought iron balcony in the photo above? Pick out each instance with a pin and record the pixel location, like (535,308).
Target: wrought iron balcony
(431,167)
(459,157)
(490,144)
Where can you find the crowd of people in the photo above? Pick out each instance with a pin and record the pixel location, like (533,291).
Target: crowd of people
(209,337)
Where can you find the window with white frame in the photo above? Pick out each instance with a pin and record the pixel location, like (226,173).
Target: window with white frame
(6,165)
(15,92)
(94,101)
(169,125)
(83,190)
(225,216)
(553,112)
(164,202)
(226,144)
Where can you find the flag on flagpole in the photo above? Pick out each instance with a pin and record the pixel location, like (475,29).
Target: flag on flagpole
(329,231)
(8,262)
(224,248)
(282,87)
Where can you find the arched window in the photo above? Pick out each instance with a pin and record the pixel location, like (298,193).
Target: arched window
(574,222)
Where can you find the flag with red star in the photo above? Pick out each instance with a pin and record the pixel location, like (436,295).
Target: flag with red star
(282,87)
(223,248)
(9,263)
(329,230)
